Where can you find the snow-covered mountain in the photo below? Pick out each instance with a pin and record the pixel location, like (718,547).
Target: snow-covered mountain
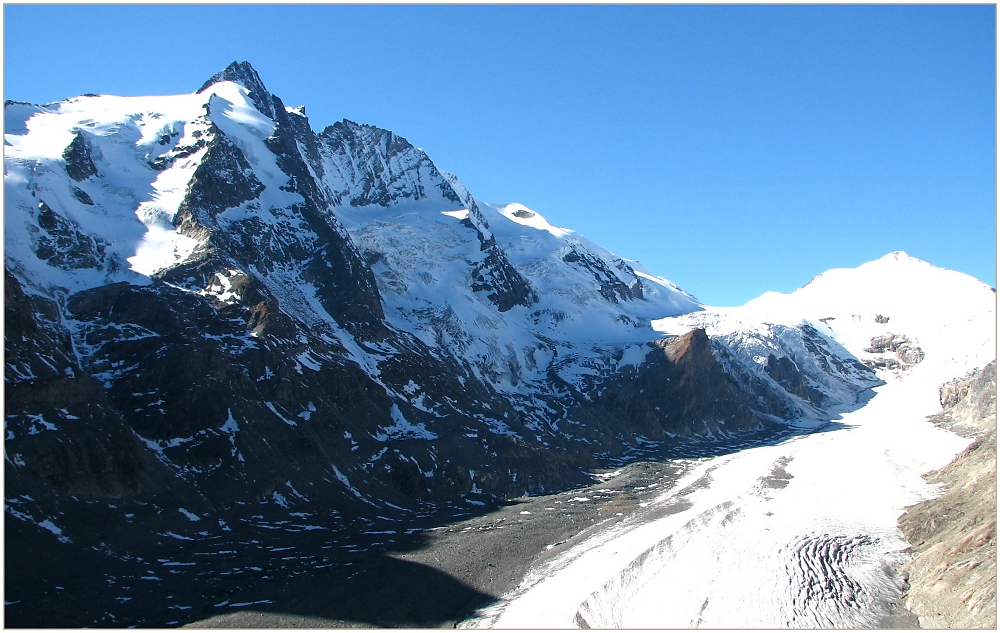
(890,315)
(803,533)
(276,255)
(219,321)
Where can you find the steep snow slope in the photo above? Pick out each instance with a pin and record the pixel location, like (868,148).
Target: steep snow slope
(939,310)
(131,212)
(585,302)
(144,152)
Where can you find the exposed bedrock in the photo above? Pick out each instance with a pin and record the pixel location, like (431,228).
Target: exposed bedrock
(680,390)
(953,575)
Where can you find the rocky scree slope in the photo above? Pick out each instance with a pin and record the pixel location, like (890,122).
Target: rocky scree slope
(217,318)
(953,575)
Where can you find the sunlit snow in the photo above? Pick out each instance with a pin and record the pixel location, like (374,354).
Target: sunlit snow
(802,533)
(134,205)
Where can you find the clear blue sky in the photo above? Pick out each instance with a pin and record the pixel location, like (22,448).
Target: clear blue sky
(732,149)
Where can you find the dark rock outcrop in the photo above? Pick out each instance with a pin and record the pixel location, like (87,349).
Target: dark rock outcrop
(60,432)
(79,163)
(787,374)
(681,390)
(610,286)
(82,196)
(223,180)
(501,282)
(62,243)
(494,274)
(905,351)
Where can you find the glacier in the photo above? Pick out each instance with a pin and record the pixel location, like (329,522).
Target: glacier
(801,534)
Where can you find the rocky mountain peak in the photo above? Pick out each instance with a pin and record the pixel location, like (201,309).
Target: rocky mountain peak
(244,74)
(371,166)
(695,341)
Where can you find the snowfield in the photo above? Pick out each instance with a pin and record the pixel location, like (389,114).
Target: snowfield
(803,533)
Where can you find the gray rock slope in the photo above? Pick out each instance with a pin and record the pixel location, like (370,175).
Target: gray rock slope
(953,575)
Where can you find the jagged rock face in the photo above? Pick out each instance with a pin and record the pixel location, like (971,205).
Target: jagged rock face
(365,166)
(79,164)
(787,374)
(503,285)
(62,244)
(683,390)
(728,401)
(369,166)
(797,361)
(610,286)
(906,353)
(969,404)
(223,180)
(830,362)
(235,414)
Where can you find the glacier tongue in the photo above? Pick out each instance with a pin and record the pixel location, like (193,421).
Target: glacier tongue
(802,533)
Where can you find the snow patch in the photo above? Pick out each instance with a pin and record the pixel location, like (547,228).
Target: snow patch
(403,429)
(190,515)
